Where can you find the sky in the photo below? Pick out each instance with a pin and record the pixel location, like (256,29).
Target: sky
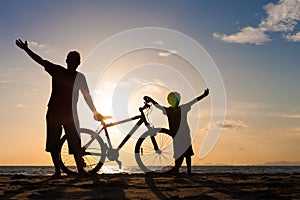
(253,43)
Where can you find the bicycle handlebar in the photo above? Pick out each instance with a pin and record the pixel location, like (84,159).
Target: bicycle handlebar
(141,109)
(147,99)
(146,106)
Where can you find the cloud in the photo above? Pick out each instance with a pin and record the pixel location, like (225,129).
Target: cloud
(246,35)
(16,69)
(232,124)
(136,80)
(159,42)
(229,124)
(281,17)
(293,38)
(152,89)
(42,47)
(286,115)
(36,44)
(6,81)
(167,53)
(21,105)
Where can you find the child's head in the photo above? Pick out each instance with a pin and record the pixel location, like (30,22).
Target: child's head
(173,99)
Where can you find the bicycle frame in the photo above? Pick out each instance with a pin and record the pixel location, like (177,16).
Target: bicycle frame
(152,147)
(130,133)
(112,153)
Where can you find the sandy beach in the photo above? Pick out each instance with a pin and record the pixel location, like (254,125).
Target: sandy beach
(154,186)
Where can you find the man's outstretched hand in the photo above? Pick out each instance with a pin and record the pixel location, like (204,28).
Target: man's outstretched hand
(21,44)
(99,117)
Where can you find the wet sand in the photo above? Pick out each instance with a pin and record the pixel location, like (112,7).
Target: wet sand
(152,186)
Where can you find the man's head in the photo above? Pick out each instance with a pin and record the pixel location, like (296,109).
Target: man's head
(73,60)
(173,99)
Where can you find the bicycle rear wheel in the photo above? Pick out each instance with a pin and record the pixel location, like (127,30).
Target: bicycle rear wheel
(94,153)
(151,160)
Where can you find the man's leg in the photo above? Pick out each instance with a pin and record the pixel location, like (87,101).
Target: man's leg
(79,163)
(54,130)
(75,149)
(71,125)
(56,161)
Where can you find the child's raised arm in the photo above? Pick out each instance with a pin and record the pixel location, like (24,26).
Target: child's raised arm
(149,99)
(205,93)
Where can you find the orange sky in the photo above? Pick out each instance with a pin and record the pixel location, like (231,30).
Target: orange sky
(261,76)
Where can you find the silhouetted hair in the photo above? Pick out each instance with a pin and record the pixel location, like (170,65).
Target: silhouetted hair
(174,99)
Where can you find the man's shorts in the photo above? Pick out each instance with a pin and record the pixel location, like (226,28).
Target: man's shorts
(56,121)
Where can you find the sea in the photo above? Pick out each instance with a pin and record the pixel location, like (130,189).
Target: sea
(48,170)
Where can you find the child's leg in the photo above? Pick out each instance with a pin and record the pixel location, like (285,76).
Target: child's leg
(178,163)
(188,161)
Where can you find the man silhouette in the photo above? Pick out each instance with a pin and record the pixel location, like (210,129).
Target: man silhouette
(62,106)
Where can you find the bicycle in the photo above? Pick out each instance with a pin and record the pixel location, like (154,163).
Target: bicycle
(153,150)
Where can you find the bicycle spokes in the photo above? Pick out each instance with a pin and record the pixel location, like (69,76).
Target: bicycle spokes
(94,153)
(155,152)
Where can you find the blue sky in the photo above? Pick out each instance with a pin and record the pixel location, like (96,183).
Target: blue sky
(254,43)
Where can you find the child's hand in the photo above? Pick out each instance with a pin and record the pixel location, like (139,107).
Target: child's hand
(206,92)
(147,99)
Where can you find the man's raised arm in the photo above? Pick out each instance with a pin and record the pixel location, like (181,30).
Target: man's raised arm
(34,56)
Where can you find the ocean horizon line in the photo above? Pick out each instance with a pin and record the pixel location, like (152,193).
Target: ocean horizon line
(271,164)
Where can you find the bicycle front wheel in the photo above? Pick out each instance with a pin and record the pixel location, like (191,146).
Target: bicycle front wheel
(94,153)
(154,151)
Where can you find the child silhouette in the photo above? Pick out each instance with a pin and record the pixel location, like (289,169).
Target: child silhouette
(179,128)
